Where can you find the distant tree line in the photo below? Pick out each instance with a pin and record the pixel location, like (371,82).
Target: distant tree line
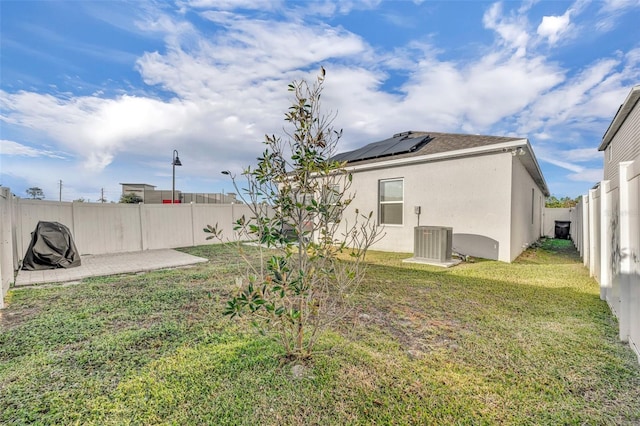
(130,198)
(564,202)
(35,193)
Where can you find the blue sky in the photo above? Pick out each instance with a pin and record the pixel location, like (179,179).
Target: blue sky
(95,93)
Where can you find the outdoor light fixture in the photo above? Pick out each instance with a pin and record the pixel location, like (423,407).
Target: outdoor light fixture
(174,163)
(517,151)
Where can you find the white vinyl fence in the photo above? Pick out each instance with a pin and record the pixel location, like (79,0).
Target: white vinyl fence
(99,228)
(608,238)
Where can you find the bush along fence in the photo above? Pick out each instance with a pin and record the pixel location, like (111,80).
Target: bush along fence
(100,228)
(607,235)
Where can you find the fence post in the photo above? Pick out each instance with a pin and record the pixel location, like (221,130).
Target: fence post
(586,237)
(6,242)
(193,224)
(626,267)
(592,232)
(605,240)
(143,227)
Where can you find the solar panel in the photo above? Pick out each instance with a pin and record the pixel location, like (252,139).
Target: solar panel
(398,144)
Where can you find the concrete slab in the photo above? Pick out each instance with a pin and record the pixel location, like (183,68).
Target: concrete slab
(449,264)
(110,264)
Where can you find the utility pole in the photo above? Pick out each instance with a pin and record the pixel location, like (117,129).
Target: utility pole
(102,200)
(60,198)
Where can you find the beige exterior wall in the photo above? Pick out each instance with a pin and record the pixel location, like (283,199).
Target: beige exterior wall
(105,228)
(141,190)
(472,195)
(527,206)
(553,214)
(30,212)
(8,253)
(99,228)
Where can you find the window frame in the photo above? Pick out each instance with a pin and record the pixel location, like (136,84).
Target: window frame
(533,205)
(383,203)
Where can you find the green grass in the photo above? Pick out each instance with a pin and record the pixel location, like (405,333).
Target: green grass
(481,343)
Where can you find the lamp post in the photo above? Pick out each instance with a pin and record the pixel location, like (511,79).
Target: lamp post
(174,163)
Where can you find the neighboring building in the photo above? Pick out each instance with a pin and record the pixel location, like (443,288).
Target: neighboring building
(139,189)
(621,141)
(489,189)
(150,195)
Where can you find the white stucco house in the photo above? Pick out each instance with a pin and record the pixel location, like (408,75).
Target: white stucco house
(489,189)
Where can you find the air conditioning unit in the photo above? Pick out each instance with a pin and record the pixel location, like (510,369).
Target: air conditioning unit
(433,243)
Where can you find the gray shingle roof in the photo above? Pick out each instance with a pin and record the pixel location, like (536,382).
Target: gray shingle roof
(437,143)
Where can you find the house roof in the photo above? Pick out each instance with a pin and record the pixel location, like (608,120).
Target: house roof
(411,147)
(620,117)
(425,143)
(138,184)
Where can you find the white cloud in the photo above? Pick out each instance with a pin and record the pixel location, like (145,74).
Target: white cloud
(229,88)
(96,129)
(593,93)
(587,175)
(560,163)
(512,29)
(583,154)
(579,173)
(610,12)
(618,5)
(552,27)
(14,148)
(233,4)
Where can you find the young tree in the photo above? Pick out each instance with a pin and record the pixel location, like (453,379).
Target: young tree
(35,193)
(130,198)
(311,253)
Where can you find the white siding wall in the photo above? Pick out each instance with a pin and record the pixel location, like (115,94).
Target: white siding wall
(625,145)
(527,205)
(472,195)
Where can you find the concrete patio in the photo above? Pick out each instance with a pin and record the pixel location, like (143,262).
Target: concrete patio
(110,264)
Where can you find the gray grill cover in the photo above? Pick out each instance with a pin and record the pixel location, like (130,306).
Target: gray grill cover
(51,247)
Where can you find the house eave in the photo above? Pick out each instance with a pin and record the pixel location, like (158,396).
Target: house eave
(532,166)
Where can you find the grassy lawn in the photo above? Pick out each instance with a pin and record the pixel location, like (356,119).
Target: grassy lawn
(481,343)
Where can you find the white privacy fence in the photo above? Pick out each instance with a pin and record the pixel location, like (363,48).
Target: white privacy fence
(109,228)
(608,238)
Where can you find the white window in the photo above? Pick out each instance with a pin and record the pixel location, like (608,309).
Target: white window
(391,201)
